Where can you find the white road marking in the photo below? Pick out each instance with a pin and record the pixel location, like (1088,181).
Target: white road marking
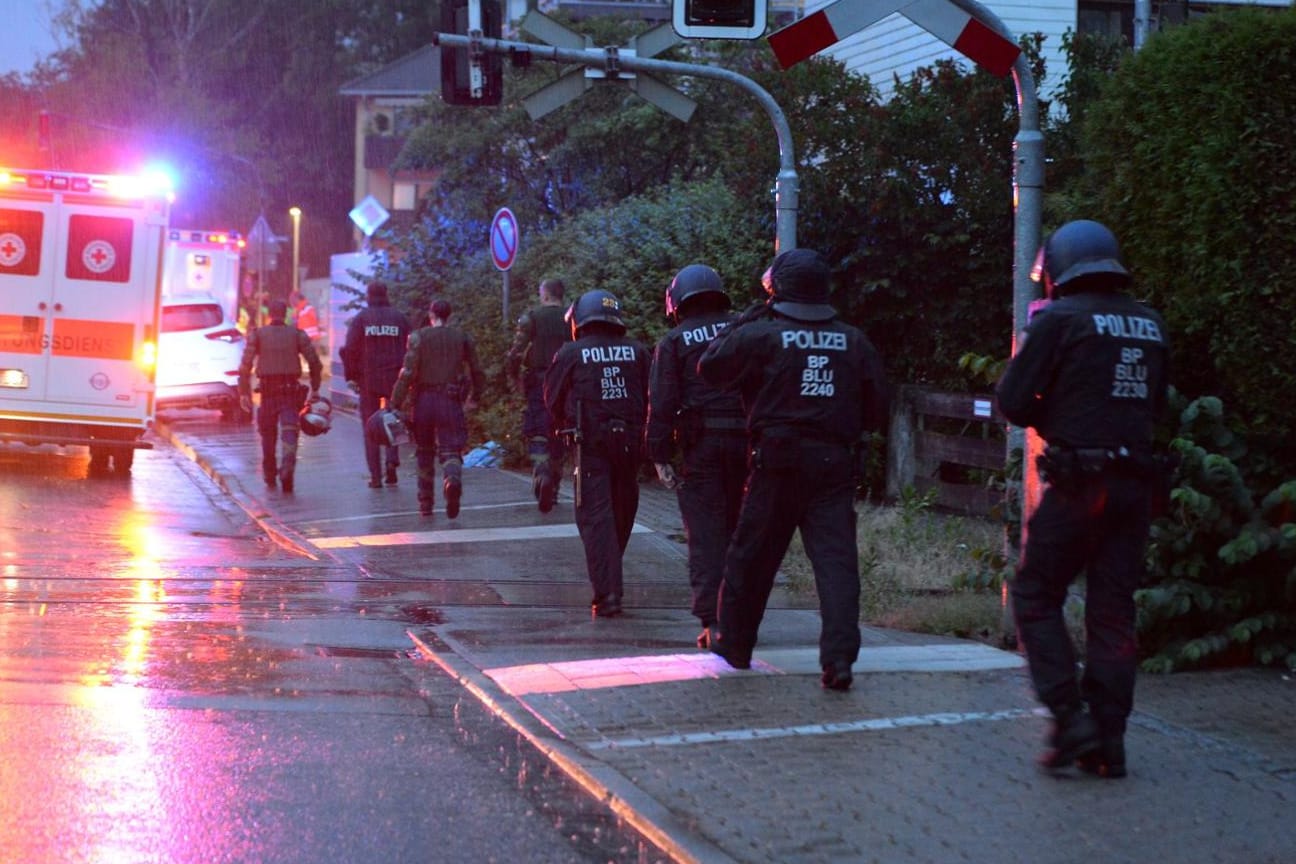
(369,517)
(660,668)
(876,724)
(456,535)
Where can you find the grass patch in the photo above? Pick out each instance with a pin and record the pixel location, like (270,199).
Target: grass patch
(923,571)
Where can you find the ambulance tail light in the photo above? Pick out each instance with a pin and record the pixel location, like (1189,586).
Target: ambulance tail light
(146,354)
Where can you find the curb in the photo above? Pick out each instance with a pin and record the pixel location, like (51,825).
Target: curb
(280,534)
(638,809)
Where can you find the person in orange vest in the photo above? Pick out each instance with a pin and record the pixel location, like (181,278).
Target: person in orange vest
(304,316)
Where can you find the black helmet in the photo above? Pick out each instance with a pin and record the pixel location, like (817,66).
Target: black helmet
(594,306)
(693,280)
(1082,248)
(798,285)
(387,428)
(316,416)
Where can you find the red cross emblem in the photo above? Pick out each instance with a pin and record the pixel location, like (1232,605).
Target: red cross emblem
(98,256)
(12,250)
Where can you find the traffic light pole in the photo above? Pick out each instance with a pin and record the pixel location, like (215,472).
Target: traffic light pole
(611,61)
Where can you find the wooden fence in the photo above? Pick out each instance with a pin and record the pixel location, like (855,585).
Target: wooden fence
(935,438)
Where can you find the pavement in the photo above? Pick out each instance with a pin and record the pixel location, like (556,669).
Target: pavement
(928,758)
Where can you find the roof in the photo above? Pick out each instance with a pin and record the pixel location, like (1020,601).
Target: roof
(416,74)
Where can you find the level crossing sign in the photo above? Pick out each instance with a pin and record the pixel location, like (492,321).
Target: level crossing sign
(942,18)
(504,238)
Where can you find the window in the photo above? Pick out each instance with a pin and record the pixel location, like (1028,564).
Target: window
(191,316)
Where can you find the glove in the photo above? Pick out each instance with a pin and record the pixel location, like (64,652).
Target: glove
(666,474)
(314,394)
(245,402)
(353,386)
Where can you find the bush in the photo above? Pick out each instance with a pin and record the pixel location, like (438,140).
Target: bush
(1223,560)
(1189,154)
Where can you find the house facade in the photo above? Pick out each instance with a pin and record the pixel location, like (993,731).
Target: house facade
(895,47)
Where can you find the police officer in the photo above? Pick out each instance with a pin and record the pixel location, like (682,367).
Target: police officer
(1090,376)
(597,386)
(440,371)
(541,331)
(813,389)
(706,425)
(371,360)
(277,349)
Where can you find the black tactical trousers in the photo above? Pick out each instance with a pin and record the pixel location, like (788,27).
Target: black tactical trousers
(605,517)
(544,445)
(795,484)
(440,433)
(1100,527)
(277,424)
(710,493)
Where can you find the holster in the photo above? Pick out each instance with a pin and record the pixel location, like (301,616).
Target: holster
(619,441)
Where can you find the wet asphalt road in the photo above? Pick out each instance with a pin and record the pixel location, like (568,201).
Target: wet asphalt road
(176,687)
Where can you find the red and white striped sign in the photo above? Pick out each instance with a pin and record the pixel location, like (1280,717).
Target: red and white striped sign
(947,22)
(965,34)
(826,27)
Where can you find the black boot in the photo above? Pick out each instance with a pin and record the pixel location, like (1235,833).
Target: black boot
(1074,734)
(453,489)
(1108,761)
(837,676)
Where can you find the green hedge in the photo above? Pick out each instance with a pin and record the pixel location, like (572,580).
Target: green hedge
(1189,156)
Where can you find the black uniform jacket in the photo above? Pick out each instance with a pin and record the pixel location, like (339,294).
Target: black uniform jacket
(821,380)
(375,347)
(607,374)
(1092,371)
(675,385)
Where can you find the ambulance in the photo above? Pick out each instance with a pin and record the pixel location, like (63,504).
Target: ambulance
(200,344)
(204,262)
(80,297)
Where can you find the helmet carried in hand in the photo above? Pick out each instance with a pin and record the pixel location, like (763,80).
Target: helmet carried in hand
(387,428)
(316,416)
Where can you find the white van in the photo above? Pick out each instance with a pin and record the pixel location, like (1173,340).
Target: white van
(80,296)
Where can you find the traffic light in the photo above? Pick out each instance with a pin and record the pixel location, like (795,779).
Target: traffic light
(457,63)
(719,19)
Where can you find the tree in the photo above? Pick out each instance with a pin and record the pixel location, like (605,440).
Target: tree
(238,96)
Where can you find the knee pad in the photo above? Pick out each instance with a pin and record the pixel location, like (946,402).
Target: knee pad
(538,448)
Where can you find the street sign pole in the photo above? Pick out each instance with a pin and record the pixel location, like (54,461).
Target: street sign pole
(612,61)
(505,238)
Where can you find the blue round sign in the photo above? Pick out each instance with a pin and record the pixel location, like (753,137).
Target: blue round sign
(504,238)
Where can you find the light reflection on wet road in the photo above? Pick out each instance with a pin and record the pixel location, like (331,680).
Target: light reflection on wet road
(174,687)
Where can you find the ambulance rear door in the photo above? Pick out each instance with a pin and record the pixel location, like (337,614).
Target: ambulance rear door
(81,306)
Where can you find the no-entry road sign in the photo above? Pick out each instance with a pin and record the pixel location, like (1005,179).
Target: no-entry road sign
(504,238)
